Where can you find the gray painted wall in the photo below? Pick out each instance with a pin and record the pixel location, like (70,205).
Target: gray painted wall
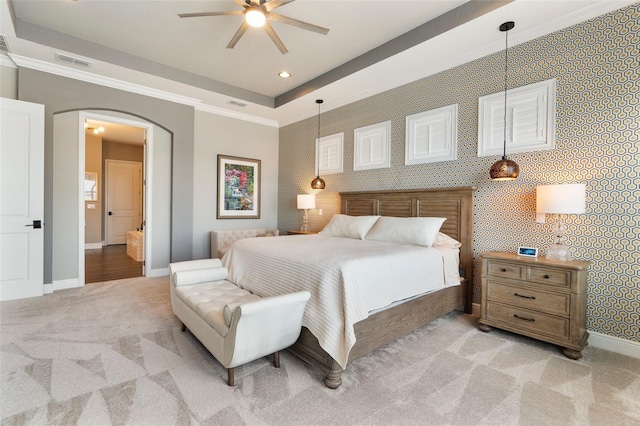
(63,222)
(161,199)
(8,82)
(60,94)
(222,135)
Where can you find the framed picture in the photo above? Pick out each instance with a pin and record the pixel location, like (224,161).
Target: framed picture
(238,188)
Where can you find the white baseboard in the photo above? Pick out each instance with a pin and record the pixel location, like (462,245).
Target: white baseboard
(598,340)
(614,344)
(93,246)
(164,272)
(48,288)
(65,284)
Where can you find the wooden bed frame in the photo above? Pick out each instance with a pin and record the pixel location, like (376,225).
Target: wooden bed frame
(379,329)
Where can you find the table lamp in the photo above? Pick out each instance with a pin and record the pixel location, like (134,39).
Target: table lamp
(560,200)
(306,202)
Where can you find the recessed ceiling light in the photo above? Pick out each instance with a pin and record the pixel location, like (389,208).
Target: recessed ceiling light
(284,74)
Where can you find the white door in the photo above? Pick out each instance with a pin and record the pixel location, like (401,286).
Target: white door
(124,199)
(21,199)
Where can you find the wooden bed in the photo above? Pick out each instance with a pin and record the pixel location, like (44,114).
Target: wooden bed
(456,204)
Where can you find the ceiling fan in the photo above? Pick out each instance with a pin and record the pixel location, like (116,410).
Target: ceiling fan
(258,13)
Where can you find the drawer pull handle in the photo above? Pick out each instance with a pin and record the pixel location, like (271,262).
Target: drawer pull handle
(525,297)
(503,269)
(547,276)
(523,318)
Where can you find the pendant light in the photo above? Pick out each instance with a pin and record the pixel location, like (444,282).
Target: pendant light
(318,183)
(505,169)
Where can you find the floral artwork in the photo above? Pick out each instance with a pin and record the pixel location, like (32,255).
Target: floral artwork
(238,188)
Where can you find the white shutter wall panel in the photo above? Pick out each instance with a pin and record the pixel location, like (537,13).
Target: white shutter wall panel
(530,120)
(372,147)
(329,154)
(432,136)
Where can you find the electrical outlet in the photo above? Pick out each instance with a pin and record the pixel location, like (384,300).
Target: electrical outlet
(319,212)
(540,218)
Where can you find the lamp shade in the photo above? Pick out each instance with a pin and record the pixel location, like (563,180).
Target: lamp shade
(306,201)
(561,199)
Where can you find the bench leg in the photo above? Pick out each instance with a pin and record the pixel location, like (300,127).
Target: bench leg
(276,359)
(231,381)
(184,327)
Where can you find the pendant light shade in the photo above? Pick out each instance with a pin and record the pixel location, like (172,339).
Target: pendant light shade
(318,182)
(505,169)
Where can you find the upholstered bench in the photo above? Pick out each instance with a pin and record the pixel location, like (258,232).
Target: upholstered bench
(221,240)
(234,325)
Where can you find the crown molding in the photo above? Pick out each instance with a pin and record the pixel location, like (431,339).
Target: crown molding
(38,65)
(5,61)
(237,115)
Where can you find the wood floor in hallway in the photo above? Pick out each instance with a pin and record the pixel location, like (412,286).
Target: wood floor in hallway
(109,263)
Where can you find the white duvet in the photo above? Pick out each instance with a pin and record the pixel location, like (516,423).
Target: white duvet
(347,278)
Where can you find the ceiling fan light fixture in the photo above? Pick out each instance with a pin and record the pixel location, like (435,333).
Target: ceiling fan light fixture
(255,17)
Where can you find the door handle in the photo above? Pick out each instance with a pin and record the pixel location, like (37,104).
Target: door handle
(110,213)
(37,224)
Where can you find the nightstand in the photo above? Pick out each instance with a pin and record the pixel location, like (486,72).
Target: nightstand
(536,297)
(301,232)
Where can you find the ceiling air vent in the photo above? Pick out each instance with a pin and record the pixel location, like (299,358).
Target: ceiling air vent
(71,60)
(236,103)
(4,47)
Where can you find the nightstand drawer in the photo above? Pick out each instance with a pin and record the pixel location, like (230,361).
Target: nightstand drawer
(551,303)
(549,276)
(505,270)
(514,318)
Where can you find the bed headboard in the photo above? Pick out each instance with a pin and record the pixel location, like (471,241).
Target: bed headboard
(455,204)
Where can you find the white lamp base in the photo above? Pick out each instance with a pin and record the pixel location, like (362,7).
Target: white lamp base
(558,250)
(305,221)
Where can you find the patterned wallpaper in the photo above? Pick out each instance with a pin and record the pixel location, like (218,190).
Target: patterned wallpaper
(596,67)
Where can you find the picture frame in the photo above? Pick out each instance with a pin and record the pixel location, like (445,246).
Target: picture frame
(528,251)
(239,188)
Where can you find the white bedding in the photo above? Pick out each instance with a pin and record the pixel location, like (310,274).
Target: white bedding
(347,278)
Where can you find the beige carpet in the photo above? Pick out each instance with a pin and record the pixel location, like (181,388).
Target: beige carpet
(113,353)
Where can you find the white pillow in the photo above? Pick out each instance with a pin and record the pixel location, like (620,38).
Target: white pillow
(197,276)
(420,231)
(443,240)
(345,226)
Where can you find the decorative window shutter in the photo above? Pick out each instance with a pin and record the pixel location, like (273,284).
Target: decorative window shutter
(432,136)
(330,154)
(530,120)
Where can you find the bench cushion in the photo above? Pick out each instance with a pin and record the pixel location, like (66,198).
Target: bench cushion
(209,299)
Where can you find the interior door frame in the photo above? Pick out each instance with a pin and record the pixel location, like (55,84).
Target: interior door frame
(147,185)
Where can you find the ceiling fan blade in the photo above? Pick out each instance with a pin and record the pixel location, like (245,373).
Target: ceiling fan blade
(241,3)
(274,37)
(297,23)
(273,4)
(200,14)
(237,35)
